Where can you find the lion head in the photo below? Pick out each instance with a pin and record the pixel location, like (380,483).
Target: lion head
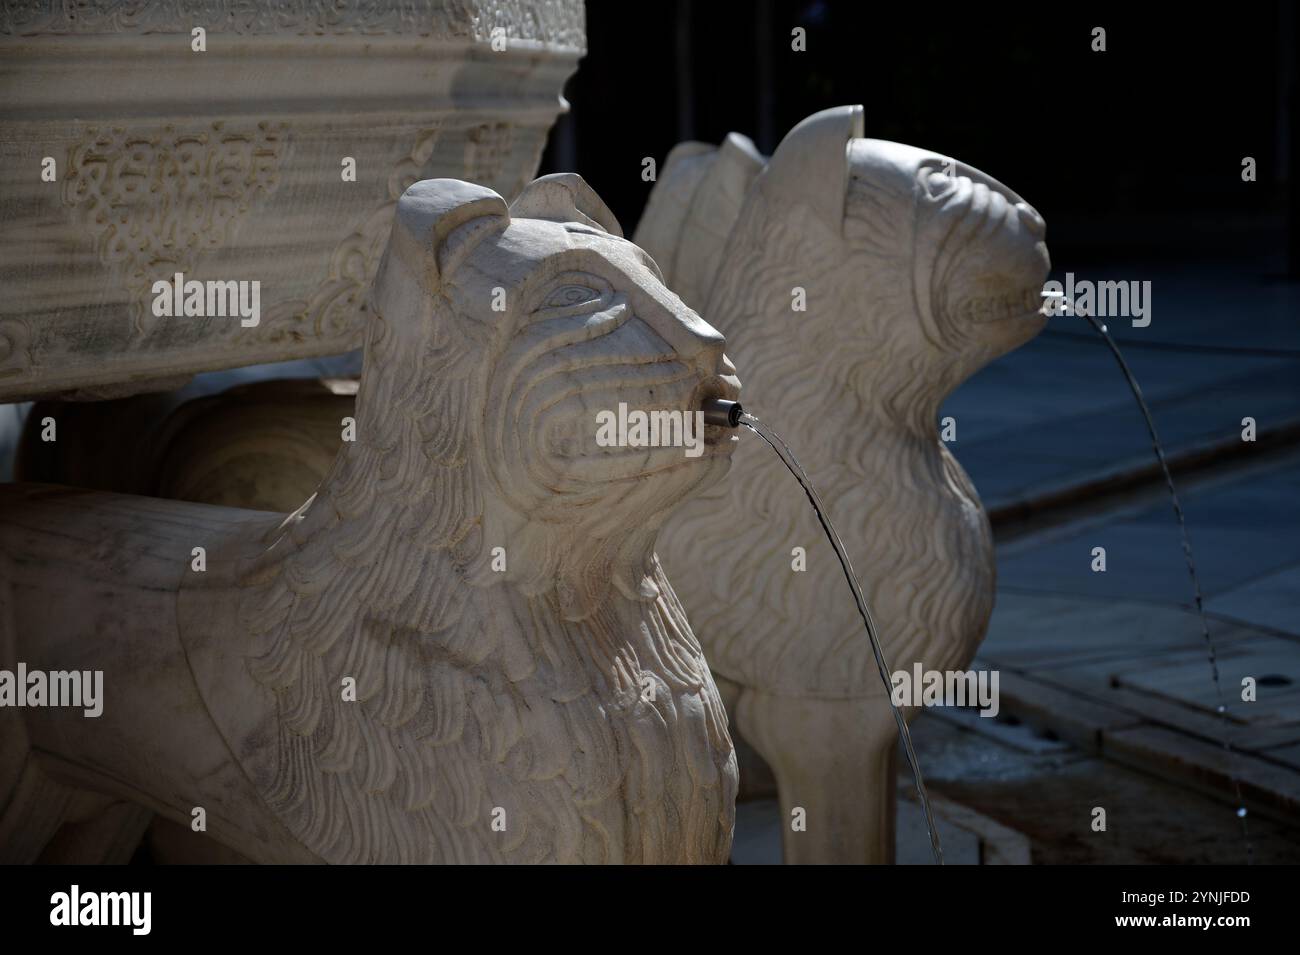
(956,260)
(501,334)
(892,271)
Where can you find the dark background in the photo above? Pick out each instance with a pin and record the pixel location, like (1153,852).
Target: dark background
(1134,151)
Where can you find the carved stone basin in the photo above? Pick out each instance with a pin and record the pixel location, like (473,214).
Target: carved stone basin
(230,164)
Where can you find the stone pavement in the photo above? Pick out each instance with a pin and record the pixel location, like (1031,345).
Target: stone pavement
(1116,661)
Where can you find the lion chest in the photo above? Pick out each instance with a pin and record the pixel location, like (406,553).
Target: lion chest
(613,748)
(919,543)
(654,765)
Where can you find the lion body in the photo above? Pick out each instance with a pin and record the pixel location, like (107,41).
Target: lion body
(859,282)
(461,648)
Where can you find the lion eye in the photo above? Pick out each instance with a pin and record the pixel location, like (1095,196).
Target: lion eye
(567,295)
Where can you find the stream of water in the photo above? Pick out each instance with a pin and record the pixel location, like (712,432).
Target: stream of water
(774,442)
(792,465)
(1224,725)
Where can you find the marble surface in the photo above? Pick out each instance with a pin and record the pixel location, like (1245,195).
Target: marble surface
(461,647)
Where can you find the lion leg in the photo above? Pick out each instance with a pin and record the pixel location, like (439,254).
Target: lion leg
(834,762)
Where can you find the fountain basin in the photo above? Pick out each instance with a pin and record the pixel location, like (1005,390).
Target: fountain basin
(235,163)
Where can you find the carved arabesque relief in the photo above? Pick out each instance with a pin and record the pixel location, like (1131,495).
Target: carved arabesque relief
(223,165)
(154,203)
(333,310)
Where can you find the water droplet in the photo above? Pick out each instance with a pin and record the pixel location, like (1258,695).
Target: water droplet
(1241,813)
(1103,328)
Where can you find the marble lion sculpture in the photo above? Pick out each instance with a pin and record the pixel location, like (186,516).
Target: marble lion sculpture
(462,647)
(915,274)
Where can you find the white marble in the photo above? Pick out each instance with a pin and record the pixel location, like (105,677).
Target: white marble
(914,279)
(527,688)
(230,165)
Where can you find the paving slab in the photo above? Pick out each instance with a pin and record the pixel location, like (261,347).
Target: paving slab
(1243,530)
(1034,631)
(1273,664)
(1154,706)
(1288,755)
(1100,686)
(1049,798)
(1272,600)
(1116,662)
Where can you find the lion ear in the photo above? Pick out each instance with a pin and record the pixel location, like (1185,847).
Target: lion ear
(811,163)
(437,222)
(565,197)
